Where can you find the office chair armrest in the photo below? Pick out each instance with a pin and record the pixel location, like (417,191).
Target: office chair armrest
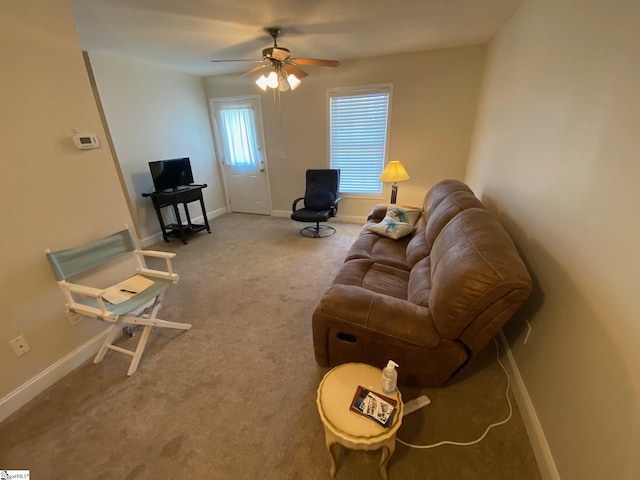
(295,203)
(334,207)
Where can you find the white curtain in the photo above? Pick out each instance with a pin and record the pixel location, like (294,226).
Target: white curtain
(239,132)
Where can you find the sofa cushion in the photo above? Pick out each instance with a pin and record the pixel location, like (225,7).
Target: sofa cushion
(476,273)
(376,277)
(417,248)
(373,247)
(419,286)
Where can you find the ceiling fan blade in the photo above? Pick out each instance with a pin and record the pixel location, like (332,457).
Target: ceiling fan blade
(219,61)
(295,70)
(254,69)
(316,61)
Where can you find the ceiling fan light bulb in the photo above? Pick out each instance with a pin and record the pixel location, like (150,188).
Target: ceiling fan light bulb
(283,85)
(262,82)
(272,80)
(293,81)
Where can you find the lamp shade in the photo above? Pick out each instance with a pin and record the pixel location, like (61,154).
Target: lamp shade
(394,172)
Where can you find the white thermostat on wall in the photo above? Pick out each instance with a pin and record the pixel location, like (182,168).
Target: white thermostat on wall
(85,141)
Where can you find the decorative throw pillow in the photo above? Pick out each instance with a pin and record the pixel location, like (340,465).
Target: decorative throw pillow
(404,214)
(318,200)
(397,223)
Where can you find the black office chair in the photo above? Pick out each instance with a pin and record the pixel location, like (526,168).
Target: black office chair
(320,202)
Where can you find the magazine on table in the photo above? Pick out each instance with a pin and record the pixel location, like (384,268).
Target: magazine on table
(375,406)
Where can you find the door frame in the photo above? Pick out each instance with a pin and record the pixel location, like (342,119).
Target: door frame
(217,143)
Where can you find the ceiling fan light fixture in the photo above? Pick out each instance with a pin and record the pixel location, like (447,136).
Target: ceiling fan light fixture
(272,80)
(283,84)
(262,82)
(293,81)
(281,80)
(285,73)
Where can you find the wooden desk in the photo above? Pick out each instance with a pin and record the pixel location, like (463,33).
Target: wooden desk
(172,198)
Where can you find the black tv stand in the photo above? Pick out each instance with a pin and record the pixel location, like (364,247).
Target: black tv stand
(177,189)
(172,198)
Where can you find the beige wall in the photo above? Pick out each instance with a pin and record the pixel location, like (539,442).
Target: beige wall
(556,154)
(53,195)
(433,109)
(156,114)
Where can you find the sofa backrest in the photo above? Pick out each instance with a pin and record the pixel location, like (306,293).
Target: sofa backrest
(446,210)
(443,202)
(440,191)
(417,248)
(478,279)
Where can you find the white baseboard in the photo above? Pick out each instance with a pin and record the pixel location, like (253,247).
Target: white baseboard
(338,219)
(13,401)
(157,237)
(541,450)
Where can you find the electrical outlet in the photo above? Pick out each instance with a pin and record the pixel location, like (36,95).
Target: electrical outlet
(20,345)
(74,318)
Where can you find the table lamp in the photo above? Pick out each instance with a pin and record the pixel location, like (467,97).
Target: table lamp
(394,172)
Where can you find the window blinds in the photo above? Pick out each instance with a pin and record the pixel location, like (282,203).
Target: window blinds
(358,138)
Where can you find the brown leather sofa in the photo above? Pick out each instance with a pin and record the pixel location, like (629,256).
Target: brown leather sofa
(429,301)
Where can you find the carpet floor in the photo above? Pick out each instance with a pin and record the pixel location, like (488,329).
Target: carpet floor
(234,397)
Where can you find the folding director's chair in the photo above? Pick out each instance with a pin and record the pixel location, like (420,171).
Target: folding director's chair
(135,301)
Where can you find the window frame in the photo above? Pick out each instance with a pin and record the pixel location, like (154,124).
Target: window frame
(354,91)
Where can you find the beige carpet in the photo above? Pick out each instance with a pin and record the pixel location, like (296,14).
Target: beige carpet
(234,397)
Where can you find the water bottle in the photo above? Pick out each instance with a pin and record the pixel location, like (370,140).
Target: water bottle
(389,378)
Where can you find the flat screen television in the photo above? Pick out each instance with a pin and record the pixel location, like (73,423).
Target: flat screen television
(171,174)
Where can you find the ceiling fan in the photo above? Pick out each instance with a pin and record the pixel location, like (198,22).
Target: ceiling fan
(285,71)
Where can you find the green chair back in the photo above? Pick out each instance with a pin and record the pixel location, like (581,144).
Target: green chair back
(73,261)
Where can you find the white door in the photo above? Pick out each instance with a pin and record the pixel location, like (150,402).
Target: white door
(240,146)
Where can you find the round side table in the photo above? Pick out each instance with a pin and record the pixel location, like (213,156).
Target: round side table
(347,428)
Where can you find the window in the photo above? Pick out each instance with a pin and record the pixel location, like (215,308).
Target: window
(358,121)
(238,135)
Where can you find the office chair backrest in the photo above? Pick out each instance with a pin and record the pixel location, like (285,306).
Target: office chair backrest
(323,179)
(73,261)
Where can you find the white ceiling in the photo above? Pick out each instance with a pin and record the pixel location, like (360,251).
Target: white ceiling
(185,35)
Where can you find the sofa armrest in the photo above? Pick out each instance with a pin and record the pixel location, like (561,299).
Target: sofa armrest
(387,316)
(378,212)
